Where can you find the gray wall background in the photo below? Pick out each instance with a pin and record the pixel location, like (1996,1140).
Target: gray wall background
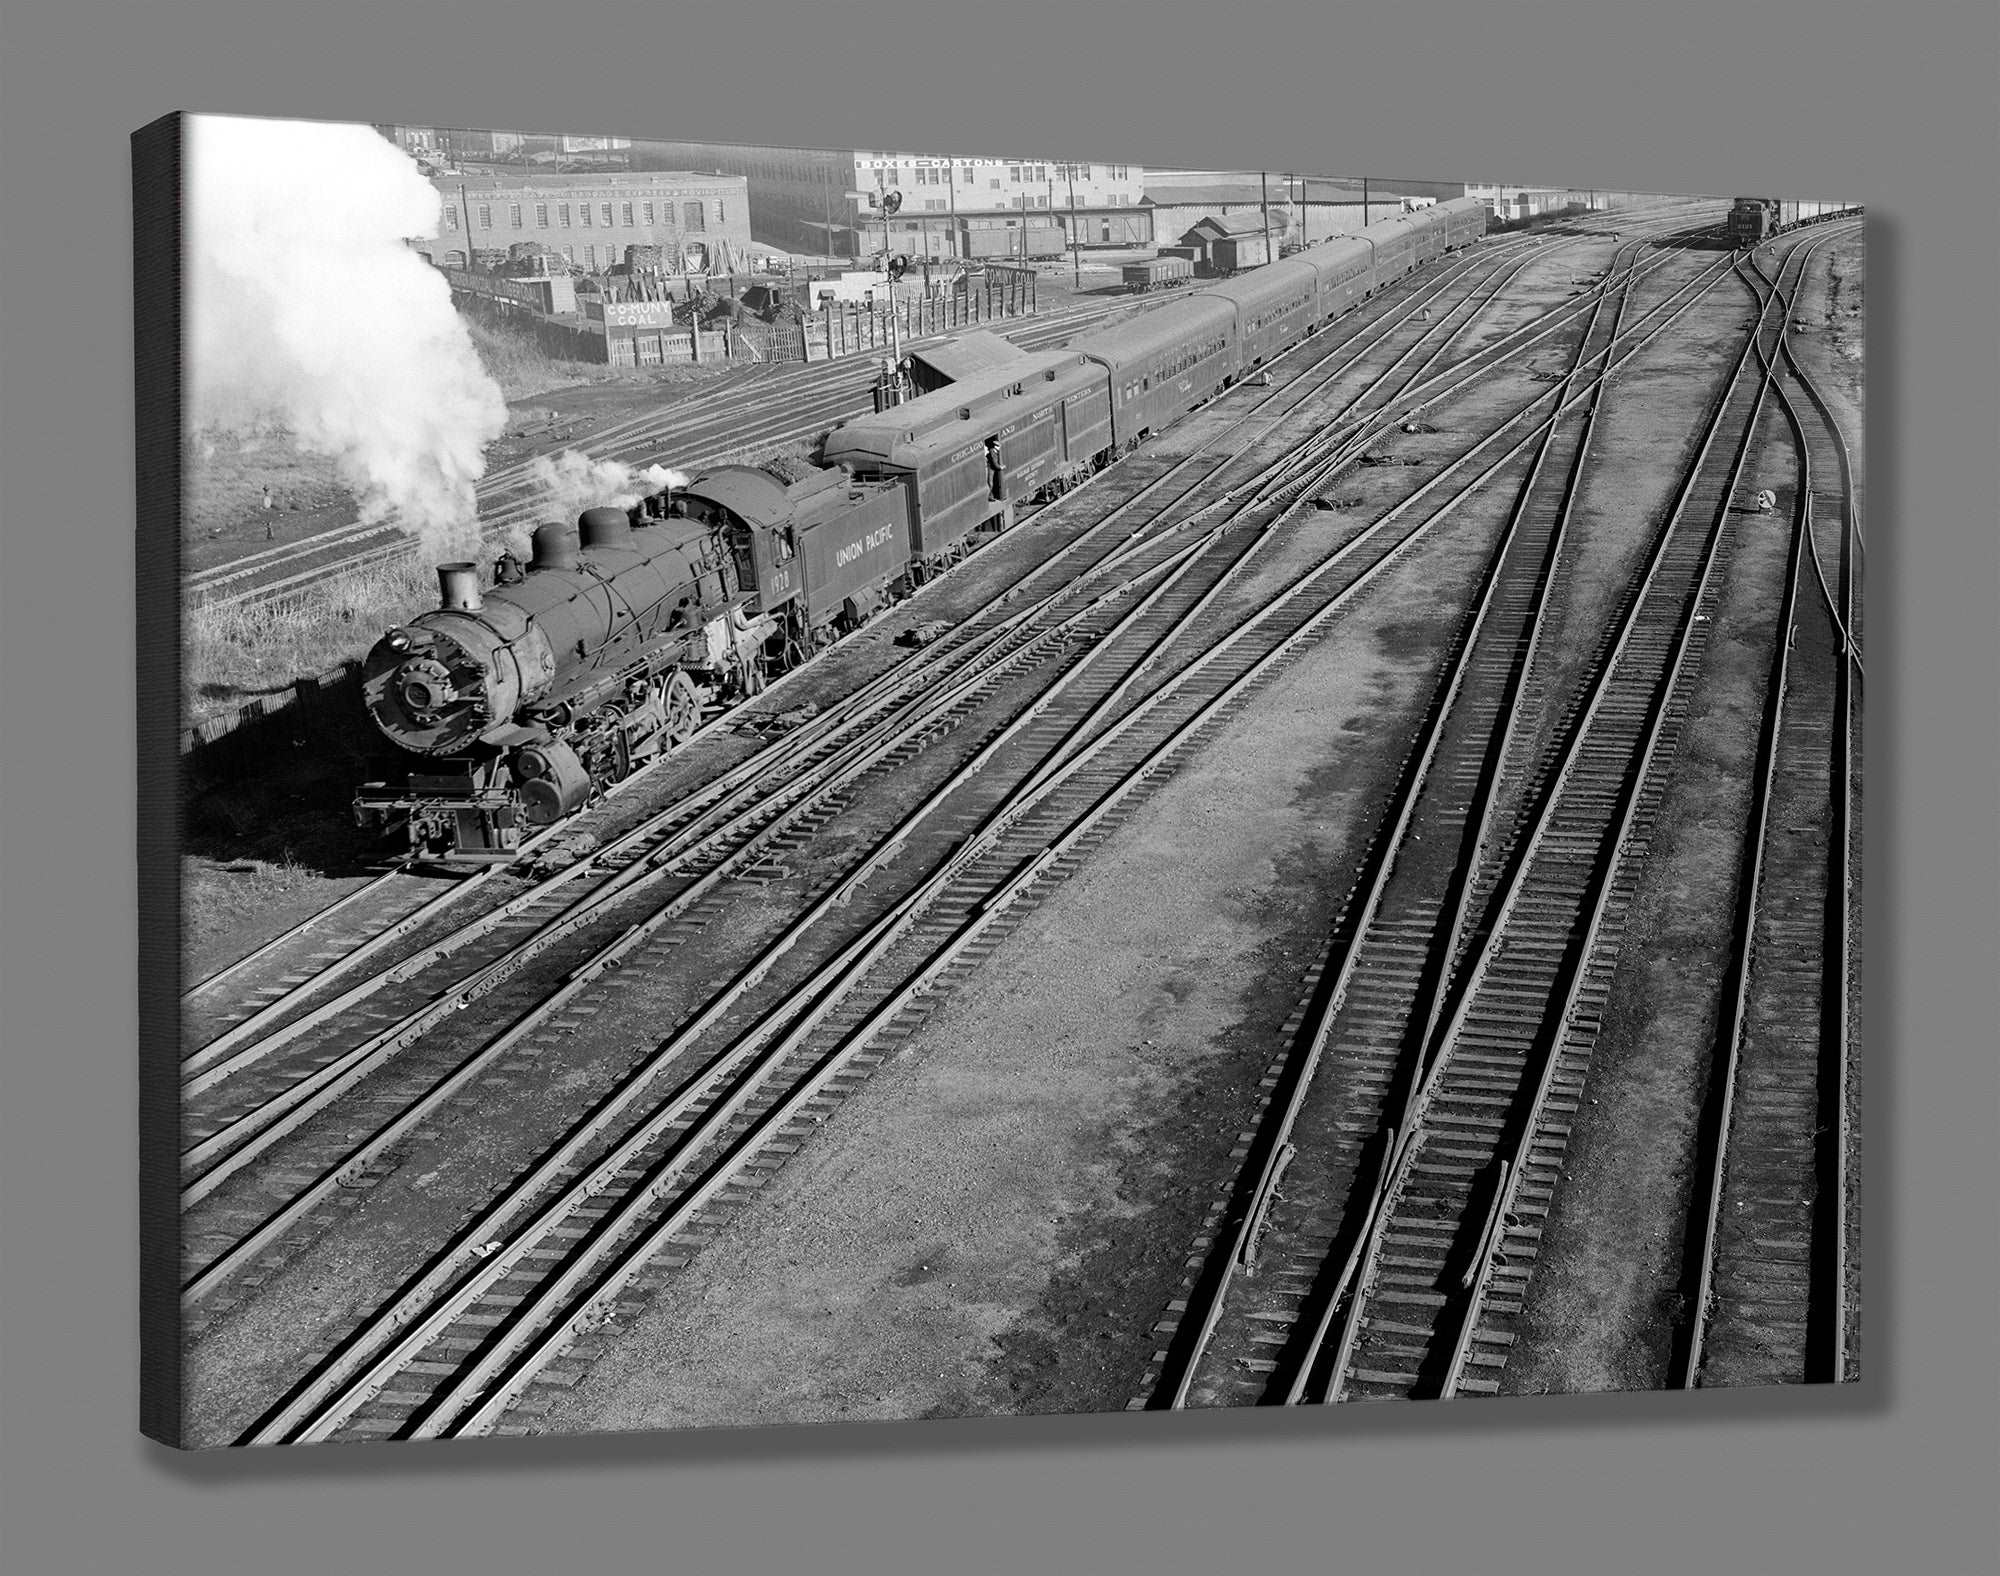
(1891,104)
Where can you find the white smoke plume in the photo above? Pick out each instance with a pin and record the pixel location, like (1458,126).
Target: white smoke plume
(308,314)
(571,482)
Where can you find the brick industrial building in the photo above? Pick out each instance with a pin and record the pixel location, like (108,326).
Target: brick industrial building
(799,201)
(701,222)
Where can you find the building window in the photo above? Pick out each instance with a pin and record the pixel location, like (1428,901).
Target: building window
(583,209)
(516,215)
(1013,173)
(994,183)
(691,216)
(541,215)
(590,258)
(563,213)
(486,216)
(569,252)
(604,210)
(628,214)
(649,213)
(718,210)
(1041,200)
(451,218)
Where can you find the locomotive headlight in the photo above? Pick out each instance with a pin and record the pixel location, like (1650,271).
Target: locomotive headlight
(397,640)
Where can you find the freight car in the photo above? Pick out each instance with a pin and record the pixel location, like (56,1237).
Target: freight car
(1002,242)
(515,706)
(1157,273)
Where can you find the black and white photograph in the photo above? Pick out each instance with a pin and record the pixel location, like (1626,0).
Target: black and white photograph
(826,784)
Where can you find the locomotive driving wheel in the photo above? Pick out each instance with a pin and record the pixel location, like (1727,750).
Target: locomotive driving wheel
(683,708)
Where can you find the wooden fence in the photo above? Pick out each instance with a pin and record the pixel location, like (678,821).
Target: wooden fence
(840,330)
(308,713)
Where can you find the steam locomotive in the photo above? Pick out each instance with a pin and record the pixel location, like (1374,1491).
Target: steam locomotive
(515,704)
(1754,220)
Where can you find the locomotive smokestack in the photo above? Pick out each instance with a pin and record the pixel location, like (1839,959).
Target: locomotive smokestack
(458,588)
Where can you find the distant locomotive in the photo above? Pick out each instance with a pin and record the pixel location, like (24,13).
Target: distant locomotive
(517,704)
(1754,220)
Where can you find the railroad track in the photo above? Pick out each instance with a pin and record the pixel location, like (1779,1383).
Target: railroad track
(1456,1066)
(1386,969)
(259,1081)
(1486,1134)
(1770,1279)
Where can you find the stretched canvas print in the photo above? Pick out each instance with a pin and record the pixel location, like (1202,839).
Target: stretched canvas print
(788,785)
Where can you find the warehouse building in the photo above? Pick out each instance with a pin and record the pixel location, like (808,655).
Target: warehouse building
(799,197)
(701,223)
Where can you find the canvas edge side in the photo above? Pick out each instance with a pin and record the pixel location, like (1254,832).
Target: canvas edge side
(157,261)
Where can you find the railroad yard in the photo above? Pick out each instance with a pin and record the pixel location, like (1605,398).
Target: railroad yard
(1357,901)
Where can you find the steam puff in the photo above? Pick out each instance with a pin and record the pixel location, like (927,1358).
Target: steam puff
(571,482)
(308,313)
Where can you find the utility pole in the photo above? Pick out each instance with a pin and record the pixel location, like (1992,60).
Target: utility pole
(1049,182)
(1075,267)
(1264,186)
(471,255)
(826,191)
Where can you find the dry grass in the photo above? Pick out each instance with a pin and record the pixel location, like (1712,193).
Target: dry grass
(233,653)
(226,473)
(521,367)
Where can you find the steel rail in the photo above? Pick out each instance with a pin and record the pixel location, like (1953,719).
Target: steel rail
(1645,763)
(1275,1134)
(1600,688)
(1732,1035)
